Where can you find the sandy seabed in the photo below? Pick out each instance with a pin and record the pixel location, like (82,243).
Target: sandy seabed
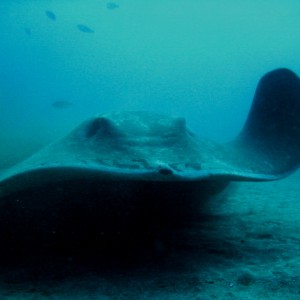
(245,245)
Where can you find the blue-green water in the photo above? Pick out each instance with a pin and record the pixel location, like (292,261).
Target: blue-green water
(197,59)
(62,61)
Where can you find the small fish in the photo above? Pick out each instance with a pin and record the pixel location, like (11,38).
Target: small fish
(84,28)
(50,15)
(27,31)
(112,5)
(62,104)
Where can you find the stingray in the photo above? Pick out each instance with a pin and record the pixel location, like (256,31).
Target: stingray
(121,180)
(143,146)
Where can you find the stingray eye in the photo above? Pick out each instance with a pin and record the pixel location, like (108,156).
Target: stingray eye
(92,128)
(102,127)
(165,171)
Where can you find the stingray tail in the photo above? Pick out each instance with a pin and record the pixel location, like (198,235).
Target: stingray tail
(272,129)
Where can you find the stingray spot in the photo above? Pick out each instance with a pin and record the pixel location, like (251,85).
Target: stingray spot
(165,171)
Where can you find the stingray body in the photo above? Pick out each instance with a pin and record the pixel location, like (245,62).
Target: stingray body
(129,162)
(144,146)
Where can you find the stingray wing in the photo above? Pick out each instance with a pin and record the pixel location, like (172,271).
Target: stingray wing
(268,146)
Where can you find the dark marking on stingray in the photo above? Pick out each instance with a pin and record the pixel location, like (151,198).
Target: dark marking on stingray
(51,15)
(84,28)
(62,104)
(112,5)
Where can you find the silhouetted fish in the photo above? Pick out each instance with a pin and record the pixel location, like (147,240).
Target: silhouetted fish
(112,5)
(50,15)
(27,31)
(84,28)
(61,104)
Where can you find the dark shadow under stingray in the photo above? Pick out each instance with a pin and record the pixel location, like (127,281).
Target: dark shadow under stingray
(104,228)
(79,218)
(171,238)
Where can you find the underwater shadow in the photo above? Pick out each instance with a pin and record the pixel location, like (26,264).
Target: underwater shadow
(75,227)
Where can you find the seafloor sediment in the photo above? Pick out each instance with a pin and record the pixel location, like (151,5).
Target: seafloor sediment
(245,245)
